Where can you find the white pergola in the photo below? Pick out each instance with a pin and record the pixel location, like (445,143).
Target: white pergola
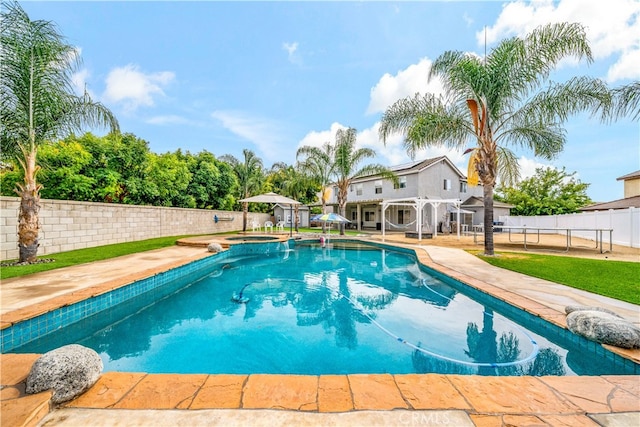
(418,204)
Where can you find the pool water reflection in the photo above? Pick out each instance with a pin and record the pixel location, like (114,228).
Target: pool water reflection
(320,310)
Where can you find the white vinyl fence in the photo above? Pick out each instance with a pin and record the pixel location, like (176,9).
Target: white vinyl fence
(625,224)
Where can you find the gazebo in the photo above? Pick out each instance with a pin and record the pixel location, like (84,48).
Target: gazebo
(418,203)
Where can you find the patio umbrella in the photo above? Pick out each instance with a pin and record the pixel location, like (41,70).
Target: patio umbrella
(330,217)
(275,199)
(271,198)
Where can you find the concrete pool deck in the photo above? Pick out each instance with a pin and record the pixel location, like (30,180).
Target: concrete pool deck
(431,399)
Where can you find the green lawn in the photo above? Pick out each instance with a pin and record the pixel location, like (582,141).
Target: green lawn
(81,256)
(615,279)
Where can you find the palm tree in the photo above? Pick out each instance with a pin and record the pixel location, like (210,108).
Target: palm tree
(345,163)
(626,102)
(295,184)
(499,100)
(250,176)
(318,164)
(38,104)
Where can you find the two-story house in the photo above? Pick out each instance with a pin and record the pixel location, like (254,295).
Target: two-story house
(436,179)
(631,195)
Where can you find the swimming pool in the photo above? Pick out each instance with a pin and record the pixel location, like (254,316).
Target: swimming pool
(344,308)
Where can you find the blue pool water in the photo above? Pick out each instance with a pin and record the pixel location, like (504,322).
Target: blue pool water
(342,309)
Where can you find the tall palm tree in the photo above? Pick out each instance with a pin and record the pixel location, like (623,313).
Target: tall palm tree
(346,160)
(38,104)
(295,184)
(250,176)
(500,100)
(318,163)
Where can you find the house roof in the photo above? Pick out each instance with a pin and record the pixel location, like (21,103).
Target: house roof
(416,166)
(629,202)
(631,175)
(478,202)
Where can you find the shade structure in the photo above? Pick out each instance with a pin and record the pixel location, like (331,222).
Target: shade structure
(271,198)
(329,217)
(275,199)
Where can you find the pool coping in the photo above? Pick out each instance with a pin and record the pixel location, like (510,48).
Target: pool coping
(484,399)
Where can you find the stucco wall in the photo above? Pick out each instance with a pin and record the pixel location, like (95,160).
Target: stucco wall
(68,225)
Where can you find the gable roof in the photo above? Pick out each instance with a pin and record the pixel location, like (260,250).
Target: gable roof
(415,167)
(631,175)
(629,202)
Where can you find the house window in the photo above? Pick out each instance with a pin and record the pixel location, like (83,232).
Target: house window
(447,184)
(402,183)
(378,185)
(463,187)
(358,189)
(354,216)
(369,216)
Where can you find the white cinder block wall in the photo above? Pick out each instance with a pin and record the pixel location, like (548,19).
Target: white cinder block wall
(67,225)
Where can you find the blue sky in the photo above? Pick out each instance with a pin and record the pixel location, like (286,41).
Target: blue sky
(272,76)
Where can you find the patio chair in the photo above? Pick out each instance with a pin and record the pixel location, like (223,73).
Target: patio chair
(255,225)
(268,225)
(280,226)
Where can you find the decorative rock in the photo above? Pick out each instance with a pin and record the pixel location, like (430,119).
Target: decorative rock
(69,371)
(571,308)
(214,247)
(604,328)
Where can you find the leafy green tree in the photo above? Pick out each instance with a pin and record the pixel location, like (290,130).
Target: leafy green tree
(500,100)
(250,174)
(63,174)
(549,192)
(213,182)
(37,104)
(346,160)
(167,178)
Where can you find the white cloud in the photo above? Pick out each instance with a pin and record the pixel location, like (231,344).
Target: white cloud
(627,67)
(292,49)
(407,82)
(133,88)
(612,27)
(528,167)
(266,134)
(319,138)
(467,19)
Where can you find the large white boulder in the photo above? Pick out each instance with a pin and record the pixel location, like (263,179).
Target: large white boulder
(69,371)
(604,327)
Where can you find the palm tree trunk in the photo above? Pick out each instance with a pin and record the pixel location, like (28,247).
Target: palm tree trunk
(488,220)
(28,221)
(245,214)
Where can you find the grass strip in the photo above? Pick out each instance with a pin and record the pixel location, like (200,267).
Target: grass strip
(615,279)
(82,256)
